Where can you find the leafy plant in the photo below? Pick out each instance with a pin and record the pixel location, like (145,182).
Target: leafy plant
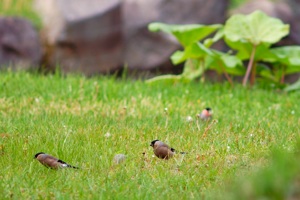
(293,87)
(194,52)
(250,36)
(197,55)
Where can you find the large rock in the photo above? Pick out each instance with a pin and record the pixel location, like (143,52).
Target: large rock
(97,36)
(295,22)
(84,36)
(19,44)
(146,50)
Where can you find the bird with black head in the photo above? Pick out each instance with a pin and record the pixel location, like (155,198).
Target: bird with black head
(52,162)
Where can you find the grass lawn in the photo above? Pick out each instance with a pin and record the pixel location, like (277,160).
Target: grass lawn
(87,121)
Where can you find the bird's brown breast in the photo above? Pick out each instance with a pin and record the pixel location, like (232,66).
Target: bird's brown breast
(48,161)
(163,152)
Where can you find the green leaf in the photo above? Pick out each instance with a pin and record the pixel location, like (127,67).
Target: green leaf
(292,69)
(245,49)
(210,41)
(195,51)
(169,78)
(178,57)
(221,62)
(265,72)
(185,34)
(255,28)
(193,68)
(293,87)
(230,61)
(288,55)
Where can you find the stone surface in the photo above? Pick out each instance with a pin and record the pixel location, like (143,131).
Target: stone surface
(19,44)
(88,35)
(98,36)
(295,22)
(146,50)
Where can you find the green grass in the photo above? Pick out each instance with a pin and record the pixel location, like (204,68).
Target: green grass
(279,180)
(69,117)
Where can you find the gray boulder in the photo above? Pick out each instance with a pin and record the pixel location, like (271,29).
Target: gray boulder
(99,36)
(83,36)
(19,44)
(146,50)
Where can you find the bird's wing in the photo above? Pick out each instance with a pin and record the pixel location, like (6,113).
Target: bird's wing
(48,161)
(48,158)
(164,145)
(62,162)
(167,146)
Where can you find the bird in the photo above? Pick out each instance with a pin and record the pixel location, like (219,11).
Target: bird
(162,150)
(206,114)
(52,162)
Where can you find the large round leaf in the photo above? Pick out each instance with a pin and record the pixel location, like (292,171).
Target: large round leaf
(185,34)
(255,28)
(288,55)
(245,49)
(221,62)
(293,87)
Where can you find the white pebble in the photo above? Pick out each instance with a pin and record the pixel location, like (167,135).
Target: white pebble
(292,112)
(189,119)
(119,158)
(107,135)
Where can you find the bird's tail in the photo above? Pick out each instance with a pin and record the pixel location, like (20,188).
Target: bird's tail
(70,166)
(173,150)
(64,164)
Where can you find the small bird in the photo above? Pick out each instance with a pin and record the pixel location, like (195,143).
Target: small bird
(52,162)
(206,114)
(162,150)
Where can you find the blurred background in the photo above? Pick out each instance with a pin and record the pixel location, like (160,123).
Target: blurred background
(107,36)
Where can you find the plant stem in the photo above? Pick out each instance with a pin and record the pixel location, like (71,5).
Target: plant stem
(226,75)
(253,74)
(283,74)
(201,61)
(249,65)
(208,127)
